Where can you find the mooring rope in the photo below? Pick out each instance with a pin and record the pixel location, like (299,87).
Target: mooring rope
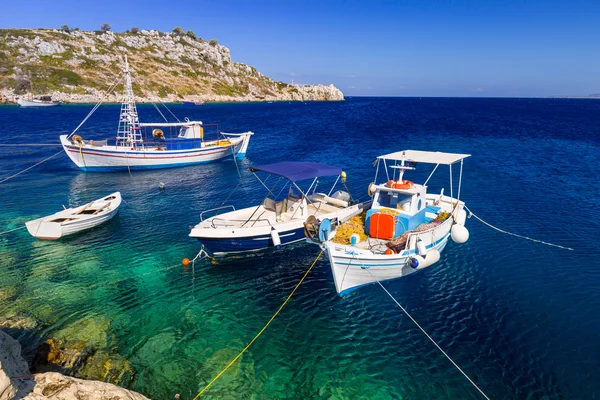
(28,168)
(514,234)
(12,230)
(263,329)
(30,144)
(429,337)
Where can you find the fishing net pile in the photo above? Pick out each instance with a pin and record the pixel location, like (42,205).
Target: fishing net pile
(347,229)
(398,244)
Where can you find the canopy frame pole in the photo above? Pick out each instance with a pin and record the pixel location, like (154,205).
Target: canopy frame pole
(451,191)
(459,180)
(387,175)
(376,169)
(311,185)
(258,207)
(333,187)
(431,174)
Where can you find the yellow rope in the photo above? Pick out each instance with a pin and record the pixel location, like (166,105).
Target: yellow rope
(262,330)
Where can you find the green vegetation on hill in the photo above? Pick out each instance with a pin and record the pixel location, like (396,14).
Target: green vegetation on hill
(168,65)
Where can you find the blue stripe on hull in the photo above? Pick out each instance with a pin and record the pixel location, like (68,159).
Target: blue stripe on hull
(142,167)
(251,243)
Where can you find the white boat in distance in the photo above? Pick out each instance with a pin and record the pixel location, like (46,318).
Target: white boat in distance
(276,222)
(42,101)
(134,148)
(404,231)
(73,220)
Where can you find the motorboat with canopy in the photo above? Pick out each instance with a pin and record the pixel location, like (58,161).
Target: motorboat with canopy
(134,148)
(279,219)
(405,229)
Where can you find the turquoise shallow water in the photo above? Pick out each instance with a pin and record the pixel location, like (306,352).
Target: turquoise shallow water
(519,317)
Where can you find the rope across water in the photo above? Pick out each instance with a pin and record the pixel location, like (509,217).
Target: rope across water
(429,337)
(514,234)
(262,330)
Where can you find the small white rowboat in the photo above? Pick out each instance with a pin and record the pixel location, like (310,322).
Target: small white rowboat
(73,220)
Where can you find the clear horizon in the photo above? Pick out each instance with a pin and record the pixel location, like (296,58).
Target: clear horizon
(375,48)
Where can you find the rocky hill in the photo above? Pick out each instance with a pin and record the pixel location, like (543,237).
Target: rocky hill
(77,66)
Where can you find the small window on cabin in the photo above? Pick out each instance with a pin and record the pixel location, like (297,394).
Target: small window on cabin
(182,132)
(384,199)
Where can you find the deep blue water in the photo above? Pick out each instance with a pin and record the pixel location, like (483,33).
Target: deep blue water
(522,319)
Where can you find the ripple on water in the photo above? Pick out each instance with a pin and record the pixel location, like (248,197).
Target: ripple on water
(520,318)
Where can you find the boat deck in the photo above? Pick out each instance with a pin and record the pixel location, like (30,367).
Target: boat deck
(271,214)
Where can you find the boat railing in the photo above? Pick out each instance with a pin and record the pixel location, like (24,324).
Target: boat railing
(224,223)
(215,209)
(430,234)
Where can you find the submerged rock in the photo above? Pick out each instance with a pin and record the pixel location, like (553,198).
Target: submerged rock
(16,381)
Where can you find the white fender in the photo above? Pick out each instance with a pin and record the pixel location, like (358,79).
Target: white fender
(432,257)
(459,233)
(275,237)
(354,239)
(421,250)
(460,217)
(419,262)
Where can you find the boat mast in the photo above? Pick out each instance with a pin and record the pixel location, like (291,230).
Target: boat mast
(129,132)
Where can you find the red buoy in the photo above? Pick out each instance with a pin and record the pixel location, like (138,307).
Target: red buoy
(185,262)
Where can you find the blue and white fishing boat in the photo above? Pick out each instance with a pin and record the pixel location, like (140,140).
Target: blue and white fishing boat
(405,229)
(134,148)
(278,220)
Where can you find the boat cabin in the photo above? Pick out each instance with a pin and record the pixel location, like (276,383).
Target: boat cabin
(191,132)
(396,210)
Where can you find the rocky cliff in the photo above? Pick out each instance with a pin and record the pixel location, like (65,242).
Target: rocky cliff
(77,66)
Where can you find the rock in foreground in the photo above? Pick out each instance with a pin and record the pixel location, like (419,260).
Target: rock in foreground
(16,381)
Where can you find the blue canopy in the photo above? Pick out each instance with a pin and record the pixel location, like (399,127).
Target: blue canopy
(298,171)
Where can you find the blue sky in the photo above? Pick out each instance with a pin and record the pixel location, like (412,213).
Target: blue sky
(373,47)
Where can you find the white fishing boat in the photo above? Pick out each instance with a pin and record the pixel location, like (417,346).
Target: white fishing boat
(41,101)
(405,229)
(278,220)
(74,220)
(140,145)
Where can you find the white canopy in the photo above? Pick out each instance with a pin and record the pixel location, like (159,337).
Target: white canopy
(430,157)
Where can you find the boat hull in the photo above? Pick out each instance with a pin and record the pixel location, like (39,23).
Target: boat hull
(354,267)
(222,247)
(224,241)
(29,103)
(108,158)
(46,228)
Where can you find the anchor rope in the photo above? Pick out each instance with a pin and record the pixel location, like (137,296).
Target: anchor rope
(28,168)
(429,337)
(12,230)
(263,329)
(514,234)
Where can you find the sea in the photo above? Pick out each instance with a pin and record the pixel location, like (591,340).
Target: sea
(520,317)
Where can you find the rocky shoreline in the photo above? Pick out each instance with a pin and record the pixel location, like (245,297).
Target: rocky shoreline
(305,93)
(16,381)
